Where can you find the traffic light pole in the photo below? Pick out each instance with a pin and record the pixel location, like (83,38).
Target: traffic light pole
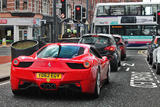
(86,16)
(54,36)
(87,10)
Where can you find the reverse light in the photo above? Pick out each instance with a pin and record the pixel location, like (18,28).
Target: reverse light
(15,62)
(110,48)
(78,84)
(86,64)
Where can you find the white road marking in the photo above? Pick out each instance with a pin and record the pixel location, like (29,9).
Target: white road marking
(131,65)
(156,78)
(5,83)
(142,80)
(119,68)
(153,73)
(127,69)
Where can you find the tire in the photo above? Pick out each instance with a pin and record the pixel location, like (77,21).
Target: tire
(153,65)
(147,58)
(158,68)
(119,64)
(108,75)
(150,60)
(16,92)
(123,57)
(114,66)
(97,86)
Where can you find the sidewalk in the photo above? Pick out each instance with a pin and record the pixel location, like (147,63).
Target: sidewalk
(5,70)
(5,66)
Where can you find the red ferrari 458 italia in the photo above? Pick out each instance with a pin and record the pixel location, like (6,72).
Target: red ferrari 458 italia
(57,65)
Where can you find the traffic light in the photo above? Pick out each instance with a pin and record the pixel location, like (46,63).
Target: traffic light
(83,15)
(78,13)
(158,17)
(63,9)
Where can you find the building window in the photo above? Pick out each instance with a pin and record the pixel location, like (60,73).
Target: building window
(37,6)
(0,5)
(17,5)
(4,4)
(25,4)
(45,6)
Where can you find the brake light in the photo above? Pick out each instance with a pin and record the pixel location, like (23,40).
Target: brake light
(86,64)
(95,36)
(15,62)
(121,47)
(110,48)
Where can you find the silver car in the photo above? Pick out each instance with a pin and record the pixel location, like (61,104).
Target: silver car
(156,59)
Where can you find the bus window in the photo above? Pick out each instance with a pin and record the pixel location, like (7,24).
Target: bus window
(117,10)
(102,29)
(117,30)
(103,11)
(148,30)
(149,10)
(158,7)
(133,10)
(133,30)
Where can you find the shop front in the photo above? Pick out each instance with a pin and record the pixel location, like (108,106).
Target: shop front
(15,29)
(7,33)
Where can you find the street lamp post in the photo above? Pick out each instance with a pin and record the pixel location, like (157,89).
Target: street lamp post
(87,15)
(54,36)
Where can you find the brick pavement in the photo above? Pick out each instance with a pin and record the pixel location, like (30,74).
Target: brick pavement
(5,59)
(5,66)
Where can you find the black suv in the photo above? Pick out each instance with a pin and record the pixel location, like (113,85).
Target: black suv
(106,46)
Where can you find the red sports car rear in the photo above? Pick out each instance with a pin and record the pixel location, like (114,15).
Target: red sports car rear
(58,65)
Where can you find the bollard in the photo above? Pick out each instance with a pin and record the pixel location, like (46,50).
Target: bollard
(4,42)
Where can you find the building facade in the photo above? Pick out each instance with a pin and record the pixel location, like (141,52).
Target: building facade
(23,19)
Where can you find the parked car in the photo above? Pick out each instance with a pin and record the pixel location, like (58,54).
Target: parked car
(58,65)
(120,42)
(156,59)
(151,47)
(106,46)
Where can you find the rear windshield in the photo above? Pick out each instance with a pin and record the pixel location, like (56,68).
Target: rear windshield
(95,40)
(56,51)
(158,41)
(117,39)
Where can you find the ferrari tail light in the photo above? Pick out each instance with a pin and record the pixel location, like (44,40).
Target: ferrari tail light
(110,48)
(76,65)
(81,65)
(86,64)
(15,62)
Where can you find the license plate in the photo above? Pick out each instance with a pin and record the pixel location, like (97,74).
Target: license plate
(49,75)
